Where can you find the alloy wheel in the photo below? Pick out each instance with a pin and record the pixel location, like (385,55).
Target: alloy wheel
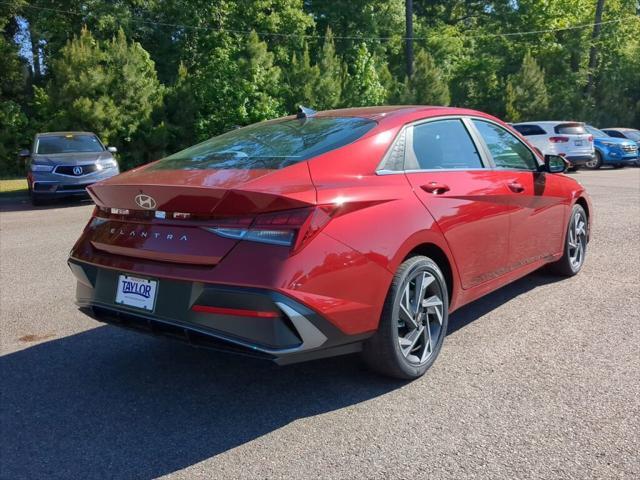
(577,240)
(420,317)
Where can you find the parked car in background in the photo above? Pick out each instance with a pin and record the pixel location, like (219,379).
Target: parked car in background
(329,233)
(617,152)
(628,133)
(567,139)
(64,164)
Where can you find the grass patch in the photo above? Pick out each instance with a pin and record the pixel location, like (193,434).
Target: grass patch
(14,187)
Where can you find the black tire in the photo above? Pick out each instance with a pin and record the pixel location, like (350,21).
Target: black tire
(597,162)
(382,352)
(566,266)
(36,201)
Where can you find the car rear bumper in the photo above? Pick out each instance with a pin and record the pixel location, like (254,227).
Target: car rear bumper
(226,318)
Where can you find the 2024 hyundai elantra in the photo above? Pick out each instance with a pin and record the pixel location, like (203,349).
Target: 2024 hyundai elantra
(321,234)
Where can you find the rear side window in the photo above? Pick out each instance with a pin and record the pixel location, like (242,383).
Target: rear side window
(507,151)
(442,144)
(527,130)
(270,145)
(570,129)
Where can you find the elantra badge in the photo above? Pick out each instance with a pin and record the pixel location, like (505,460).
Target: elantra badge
(146,201)
(77,170)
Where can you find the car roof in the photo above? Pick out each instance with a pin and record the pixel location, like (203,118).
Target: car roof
(621,129)
(57,134)
(549,122)
(390,116)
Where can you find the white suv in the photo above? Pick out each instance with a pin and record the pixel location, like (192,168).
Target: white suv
(570,140)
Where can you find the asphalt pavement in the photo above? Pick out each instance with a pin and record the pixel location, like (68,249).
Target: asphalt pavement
(538,380)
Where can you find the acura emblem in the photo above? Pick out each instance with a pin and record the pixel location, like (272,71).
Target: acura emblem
(77,170)
(145,201)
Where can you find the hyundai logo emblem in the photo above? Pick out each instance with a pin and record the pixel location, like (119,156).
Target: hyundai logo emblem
(145,201)
(77,170)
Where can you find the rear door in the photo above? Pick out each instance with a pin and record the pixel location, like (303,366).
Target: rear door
(449,175)
(537,199)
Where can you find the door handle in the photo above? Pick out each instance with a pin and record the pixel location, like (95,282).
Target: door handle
(516,187)
(435,187)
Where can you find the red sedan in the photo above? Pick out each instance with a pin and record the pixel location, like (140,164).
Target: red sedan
(328,233)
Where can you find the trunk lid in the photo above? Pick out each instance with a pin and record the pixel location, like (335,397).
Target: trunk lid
(162,215)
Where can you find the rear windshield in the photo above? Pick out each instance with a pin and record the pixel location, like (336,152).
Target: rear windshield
(527,130)
(570,129)
(270,145)
(596,133)
(53,144)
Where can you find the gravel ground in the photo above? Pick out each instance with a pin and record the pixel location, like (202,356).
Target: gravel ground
(538,380)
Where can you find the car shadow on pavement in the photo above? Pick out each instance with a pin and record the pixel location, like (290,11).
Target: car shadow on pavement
(22,203)
(117,404)
(471,312)
(113,403)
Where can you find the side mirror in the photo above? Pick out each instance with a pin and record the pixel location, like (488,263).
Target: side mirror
(112,149)
(24,153)
(555,164)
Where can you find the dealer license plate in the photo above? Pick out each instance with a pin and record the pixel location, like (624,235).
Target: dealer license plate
(136,292)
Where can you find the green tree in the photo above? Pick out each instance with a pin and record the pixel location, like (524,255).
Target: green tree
(14,123)
(363,86)
(526,92)
(302,80)
(236,86)
(106,87)
(427,86)
(328,88)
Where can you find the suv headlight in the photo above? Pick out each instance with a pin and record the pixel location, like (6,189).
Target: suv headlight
(39,167)
(104,164)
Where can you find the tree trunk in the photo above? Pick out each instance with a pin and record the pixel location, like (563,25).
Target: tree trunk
(593,52)
(409,45)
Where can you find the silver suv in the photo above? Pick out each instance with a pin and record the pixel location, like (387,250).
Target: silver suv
(570,140)
(63,164)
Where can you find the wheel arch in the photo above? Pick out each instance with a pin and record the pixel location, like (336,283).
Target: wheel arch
(438,255)
(586,205)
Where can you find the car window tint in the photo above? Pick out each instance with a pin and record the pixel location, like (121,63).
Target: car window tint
(570,129)
(507,151)
(444,144)
(595,132)
(527,130)
(269,145)
(614,133)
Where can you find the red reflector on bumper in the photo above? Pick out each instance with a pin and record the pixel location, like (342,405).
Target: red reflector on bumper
(238,312)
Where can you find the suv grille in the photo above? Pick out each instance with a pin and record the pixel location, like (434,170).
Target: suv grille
(69,170)
(629,148)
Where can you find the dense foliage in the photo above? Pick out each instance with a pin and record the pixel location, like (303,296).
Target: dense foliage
(154,76)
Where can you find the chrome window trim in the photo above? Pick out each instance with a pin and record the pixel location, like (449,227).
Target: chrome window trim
(467,120)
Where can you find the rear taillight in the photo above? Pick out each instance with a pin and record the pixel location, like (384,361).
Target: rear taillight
(558,139)
(291,228)
(590,138)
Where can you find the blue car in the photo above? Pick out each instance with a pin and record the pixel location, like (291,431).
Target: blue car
(611,151)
